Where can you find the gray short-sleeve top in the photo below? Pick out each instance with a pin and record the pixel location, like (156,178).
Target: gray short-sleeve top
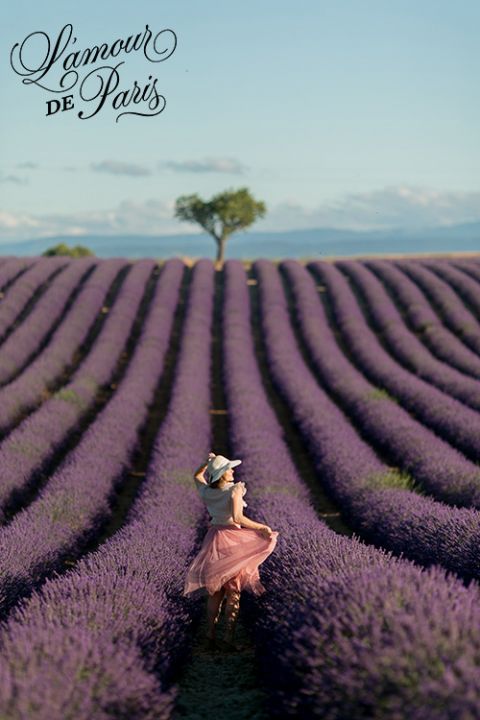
(219,502)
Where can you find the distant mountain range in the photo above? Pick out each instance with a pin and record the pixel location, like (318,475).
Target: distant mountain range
(319,242)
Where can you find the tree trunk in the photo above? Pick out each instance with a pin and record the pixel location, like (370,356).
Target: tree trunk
(221,250)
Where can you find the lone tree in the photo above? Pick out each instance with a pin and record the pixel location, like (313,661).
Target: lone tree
(221,216)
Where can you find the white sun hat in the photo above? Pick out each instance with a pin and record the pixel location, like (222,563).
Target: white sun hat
(217,465)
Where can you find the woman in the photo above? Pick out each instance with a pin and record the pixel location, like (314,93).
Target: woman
(232,549)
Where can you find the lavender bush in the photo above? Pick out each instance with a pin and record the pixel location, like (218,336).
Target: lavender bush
(28,388)
(11,269)
(466,287)
(373,497)
(27,448)
(453,312)
(468,267)
(344,630)
(21,291)
(76,498)
(440,469)
(28,336)
(449,418)
(424,321)
(403,344)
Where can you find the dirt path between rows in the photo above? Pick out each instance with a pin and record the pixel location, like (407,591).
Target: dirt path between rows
(221,685)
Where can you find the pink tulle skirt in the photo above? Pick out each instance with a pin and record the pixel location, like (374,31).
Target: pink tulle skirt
(229,557)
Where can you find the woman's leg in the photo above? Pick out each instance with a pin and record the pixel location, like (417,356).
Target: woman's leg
(214,603)
(232,608)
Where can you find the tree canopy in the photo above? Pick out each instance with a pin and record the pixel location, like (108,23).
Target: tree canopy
(224,214)
(64,249)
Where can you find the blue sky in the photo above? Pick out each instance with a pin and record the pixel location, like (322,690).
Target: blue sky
(346,113)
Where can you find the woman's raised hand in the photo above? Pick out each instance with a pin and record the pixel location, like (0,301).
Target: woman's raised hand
(266,532)
(201,469)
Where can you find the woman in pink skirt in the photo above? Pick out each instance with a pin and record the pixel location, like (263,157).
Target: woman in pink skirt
(232,550)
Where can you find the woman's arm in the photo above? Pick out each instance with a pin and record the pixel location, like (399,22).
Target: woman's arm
(240,518)
(199,472)
(198,477)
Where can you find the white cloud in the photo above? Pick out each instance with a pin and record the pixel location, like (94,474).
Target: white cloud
(16,222)
(117,167)
(150,218)
(391,207)
(219,165)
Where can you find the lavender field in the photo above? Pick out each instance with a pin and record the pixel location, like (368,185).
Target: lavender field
(350,390)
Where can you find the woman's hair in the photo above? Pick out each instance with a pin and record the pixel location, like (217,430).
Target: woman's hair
(215,484)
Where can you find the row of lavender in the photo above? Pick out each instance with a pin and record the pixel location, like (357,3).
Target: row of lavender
(405,346)
(19,346)
(472,268)
(27,390)
(344,630)
(24,280)
(460,279)
(422,318)
(115,628)
(28,448)
(375,499)
(11,270)
(67,511)
(456,316)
